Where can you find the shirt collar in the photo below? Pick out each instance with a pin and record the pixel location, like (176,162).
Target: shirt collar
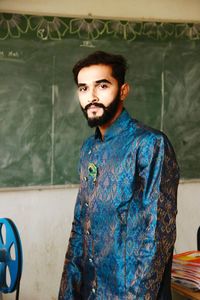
(120,124)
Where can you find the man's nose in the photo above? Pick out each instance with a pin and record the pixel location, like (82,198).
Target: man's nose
(93,96)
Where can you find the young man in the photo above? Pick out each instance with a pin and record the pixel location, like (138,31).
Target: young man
(124,229)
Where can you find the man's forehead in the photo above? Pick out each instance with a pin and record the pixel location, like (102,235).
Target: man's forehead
(95,73)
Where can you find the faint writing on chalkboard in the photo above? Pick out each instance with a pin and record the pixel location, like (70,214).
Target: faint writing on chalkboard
(52,28)
(88,44)
(42,34)
(87,28)
(57,28)
(13,25)
(10,54)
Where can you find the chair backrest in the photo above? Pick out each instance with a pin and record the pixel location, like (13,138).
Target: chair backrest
(198,239)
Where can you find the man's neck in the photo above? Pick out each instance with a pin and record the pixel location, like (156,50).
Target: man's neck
(104,127)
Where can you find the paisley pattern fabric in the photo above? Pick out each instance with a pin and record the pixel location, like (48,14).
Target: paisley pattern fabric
(124,220)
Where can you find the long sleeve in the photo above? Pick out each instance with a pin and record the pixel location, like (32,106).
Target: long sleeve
(71,277)
(156,187)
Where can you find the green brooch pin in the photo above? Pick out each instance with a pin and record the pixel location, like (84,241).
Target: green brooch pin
(92,171)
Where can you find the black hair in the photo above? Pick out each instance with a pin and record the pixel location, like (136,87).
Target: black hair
(115,61)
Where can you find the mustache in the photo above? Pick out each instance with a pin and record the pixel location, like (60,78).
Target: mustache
(94,104)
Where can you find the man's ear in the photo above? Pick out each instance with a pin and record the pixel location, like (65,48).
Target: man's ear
(124,91)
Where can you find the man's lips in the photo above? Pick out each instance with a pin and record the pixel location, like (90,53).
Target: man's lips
(94,106)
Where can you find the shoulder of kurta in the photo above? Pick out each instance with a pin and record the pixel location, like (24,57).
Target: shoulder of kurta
(151,144)
(149,137)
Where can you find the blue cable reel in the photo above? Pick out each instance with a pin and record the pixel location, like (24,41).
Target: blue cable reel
(11,258)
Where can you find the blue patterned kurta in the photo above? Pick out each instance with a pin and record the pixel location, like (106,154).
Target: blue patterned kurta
(124,221)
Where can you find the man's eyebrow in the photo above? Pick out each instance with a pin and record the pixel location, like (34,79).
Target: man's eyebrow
(97,82)
(103,81)
(81,84)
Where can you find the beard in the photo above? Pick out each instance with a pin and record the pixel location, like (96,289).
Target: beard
(108,112)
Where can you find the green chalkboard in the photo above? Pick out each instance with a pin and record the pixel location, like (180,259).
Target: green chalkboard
(41,124)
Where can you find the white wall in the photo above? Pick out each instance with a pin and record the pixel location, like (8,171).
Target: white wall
(44,217)
(138,9)
(188,218)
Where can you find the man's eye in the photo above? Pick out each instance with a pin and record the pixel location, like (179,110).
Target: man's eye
(103,86)
(82,89)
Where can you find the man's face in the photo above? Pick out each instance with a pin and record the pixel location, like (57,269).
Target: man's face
(99,94)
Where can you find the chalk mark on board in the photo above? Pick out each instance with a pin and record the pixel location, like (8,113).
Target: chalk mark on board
(162,100)
(42,34)
(88,44)
(54,90)
(11,56)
